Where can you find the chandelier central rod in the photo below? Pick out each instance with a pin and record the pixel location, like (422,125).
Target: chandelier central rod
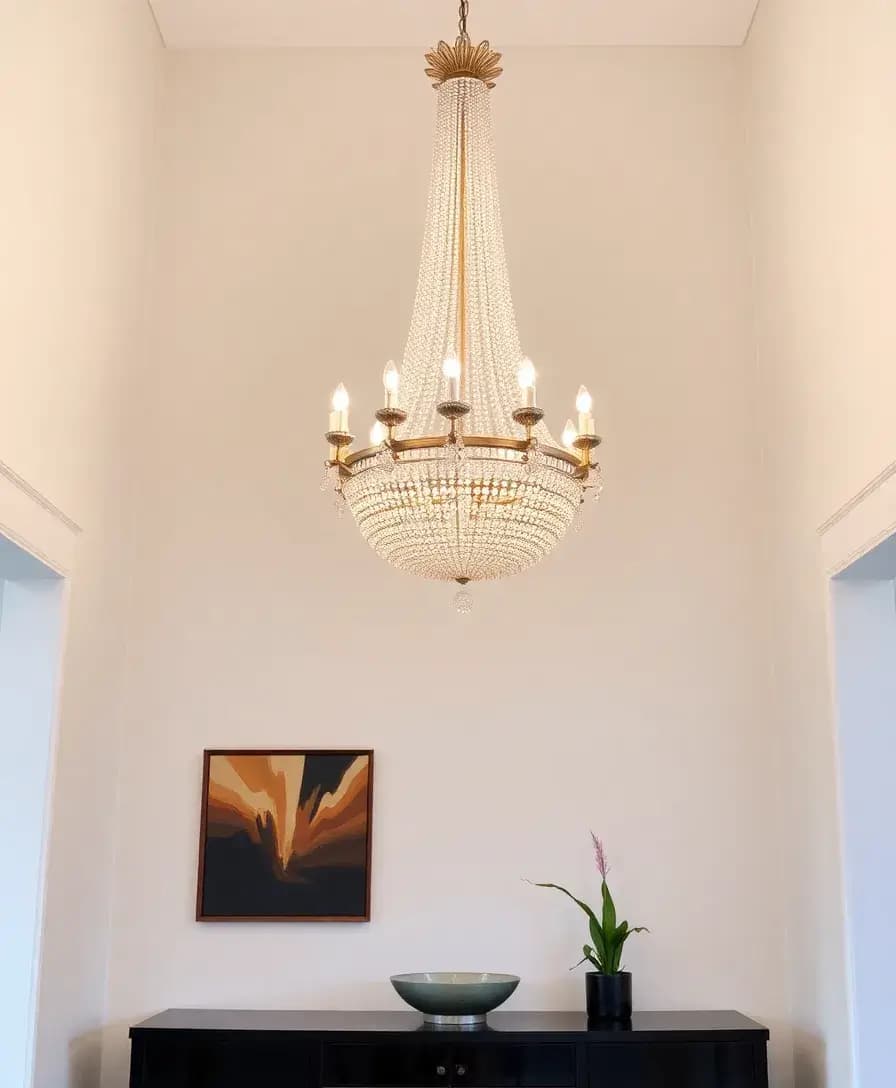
(462,265)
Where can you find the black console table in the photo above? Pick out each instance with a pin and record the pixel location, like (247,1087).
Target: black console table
(197,1048)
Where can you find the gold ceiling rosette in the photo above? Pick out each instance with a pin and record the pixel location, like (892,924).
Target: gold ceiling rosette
(463,59)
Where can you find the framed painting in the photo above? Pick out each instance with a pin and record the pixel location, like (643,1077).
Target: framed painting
(285,836)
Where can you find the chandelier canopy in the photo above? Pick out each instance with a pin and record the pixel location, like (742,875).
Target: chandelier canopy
(462,479)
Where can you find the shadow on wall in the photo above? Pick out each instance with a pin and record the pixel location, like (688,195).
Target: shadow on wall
(85,1061)
(104,1049)
(809,1060)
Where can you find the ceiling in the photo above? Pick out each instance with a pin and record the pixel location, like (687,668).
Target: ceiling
(223,24)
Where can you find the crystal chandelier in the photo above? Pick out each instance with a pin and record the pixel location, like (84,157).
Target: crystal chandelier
(462,480)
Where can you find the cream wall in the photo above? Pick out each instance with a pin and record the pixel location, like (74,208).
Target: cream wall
(823,158)
(823,172)
(621,687)
(703,236)
(77,100)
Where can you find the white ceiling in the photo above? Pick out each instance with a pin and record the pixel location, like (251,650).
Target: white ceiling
(222,24)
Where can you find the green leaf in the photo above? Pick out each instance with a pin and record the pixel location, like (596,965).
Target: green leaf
(624,931)
(609,911)
(600,944)
(589,955)
(592,916)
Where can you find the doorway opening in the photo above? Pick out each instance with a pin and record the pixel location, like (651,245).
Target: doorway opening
(864,630)
(31,621)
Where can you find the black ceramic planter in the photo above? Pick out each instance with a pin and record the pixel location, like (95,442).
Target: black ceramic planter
(608,998)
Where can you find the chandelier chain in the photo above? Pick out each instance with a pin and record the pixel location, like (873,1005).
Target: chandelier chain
(463,11)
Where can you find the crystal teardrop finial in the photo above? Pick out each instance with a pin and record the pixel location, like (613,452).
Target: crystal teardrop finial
(463,602)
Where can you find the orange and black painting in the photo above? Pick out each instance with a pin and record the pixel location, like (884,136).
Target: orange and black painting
(285,836)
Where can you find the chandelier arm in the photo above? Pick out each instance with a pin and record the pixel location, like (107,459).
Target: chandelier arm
(345,472)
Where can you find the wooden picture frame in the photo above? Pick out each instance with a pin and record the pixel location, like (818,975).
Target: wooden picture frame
(282,829)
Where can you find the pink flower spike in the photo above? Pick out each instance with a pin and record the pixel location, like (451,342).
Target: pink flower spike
(600,856)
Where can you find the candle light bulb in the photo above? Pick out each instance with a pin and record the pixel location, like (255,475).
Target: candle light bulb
(583,407)
(339,415)
(525,375)
(451,370)
(377,434)
(391,378)
(340,398)
(569,435)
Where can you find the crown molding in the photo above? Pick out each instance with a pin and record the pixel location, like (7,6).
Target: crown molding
(35,523)
(861,523)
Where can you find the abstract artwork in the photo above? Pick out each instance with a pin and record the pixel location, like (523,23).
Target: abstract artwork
(285,836)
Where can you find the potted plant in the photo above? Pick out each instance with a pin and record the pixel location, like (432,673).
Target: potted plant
(608,989)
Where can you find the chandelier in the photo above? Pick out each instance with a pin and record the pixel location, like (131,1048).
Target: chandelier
(462,480)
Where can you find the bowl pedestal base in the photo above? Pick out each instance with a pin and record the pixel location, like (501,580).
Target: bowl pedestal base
(437,1020)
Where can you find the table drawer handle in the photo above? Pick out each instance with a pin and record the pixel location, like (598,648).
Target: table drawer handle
(460,1070)
(441,1070)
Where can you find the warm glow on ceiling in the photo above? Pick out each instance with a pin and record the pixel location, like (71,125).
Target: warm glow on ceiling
(191,24)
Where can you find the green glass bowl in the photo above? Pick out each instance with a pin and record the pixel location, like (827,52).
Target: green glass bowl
(454,997)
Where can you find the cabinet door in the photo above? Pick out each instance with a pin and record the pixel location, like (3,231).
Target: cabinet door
(487,1065)
(386,1065)
(228,1061)
(672,1065)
